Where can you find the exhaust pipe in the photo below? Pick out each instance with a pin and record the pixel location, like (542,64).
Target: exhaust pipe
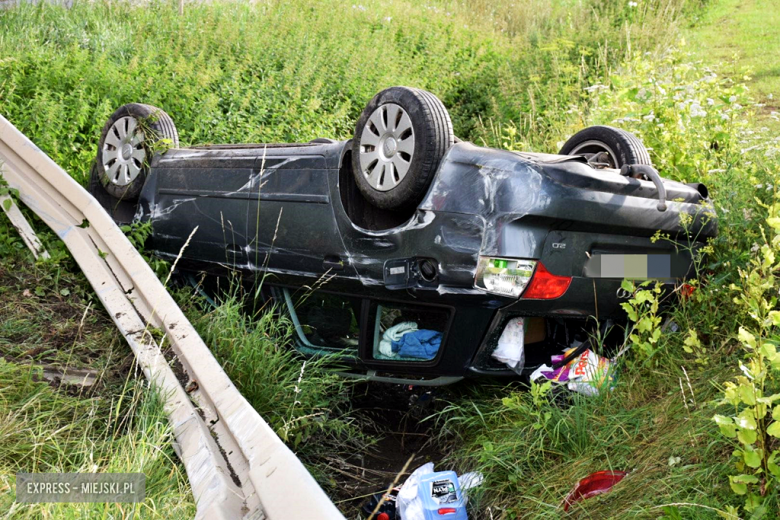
(629,170)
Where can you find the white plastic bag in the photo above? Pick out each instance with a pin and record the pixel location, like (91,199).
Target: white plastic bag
(586,374)
(511,345)
(470,480)
(408,504)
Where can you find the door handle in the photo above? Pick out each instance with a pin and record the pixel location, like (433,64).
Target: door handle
(333,262)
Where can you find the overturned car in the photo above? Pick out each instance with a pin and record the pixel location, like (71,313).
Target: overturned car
(405,251)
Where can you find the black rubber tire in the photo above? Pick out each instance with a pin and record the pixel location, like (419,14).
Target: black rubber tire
(158,127)
(627,147)
(433,137)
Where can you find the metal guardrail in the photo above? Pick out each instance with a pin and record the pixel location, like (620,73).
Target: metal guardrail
(237,466)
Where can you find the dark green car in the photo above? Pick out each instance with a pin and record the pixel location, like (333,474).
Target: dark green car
(405,250)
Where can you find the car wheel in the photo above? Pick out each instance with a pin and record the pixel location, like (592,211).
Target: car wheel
(126,147)
(607,147)
(400,139)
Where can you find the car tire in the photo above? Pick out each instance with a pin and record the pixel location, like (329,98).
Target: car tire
(400,139)
(621,147)
(127,144)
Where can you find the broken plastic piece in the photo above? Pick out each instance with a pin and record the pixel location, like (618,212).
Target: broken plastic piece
(592,485)
(23,227)
(686,291)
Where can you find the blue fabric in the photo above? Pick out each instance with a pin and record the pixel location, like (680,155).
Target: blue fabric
(423,344)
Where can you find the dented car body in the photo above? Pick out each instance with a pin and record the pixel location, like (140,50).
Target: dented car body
(498,235)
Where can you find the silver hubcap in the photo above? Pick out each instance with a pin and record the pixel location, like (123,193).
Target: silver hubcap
(386,147)
(123,151)
(598,154)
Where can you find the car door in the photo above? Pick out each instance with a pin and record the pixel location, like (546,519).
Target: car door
(204,188)
(290,226)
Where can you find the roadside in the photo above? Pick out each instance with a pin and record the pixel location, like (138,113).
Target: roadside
(743,38)
(107,422)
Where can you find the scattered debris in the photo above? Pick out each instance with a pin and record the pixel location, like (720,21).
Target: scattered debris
(427,494)
(83,378)
(585,372)
(592,485)
(510,349)
(23,227)
(670,326)
(386,502)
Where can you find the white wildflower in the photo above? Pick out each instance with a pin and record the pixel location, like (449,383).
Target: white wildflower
(300,379)
(710,101)
(632,4)
(596,88)
(697,110)
(732,99)
(724,116)
(389,18)
(649,117)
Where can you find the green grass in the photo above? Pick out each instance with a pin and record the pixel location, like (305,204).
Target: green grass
(50,316)
(291,71)
(121,429)
(642,426)
(513,75)
(306,404)
(743,38)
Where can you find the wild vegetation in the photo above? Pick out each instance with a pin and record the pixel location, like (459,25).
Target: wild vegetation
(522,75)
(658,421)
(117,424)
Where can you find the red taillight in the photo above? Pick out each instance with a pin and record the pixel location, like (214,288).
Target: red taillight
(545,285)
(447,510)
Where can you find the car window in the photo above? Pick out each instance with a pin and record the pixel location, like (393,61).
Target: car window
(408,333)
(324,321)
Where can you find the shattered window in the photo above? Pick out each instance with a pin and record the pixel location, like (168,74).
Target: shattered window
(324,320)
(407,332)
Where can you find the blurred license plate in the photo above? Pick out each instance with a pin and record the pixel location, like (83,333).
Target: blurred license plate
(637,267)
